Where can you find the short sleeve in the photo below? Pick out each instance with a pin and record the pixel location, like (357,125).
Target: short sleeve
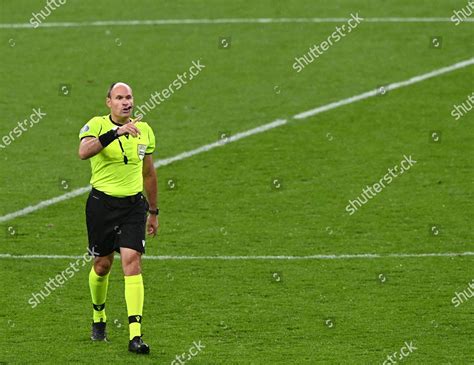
(90,129)
(151,141)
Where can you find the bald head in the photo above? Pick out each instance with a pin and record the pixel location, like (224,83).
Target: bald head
(120,101)
(115,85)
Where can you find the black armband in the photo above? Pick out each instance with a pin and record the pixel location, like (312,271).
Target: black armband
(108,138)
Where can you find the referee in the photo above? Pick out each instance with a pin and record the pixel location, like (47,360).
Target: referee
(120,151)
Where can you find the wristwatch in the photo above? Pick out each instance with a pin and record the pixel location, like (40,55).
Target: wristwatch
(155,212)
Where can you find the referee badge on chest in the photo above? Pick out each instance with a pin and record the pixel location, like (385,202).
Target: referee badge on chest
(141,149)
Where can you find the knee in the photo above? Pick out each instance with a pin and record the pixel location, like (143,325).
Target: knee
(102,268)
(131,261)
(131,266)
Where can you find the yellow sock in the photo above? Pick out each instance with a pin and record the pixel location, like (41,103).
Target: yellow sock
(98,286)
(134,295)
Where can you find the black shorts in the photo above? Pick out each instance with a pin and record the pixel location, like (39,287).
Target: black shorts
(115,222)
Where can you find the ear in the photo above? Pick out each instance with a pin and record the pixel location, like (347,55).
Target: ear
(108,102)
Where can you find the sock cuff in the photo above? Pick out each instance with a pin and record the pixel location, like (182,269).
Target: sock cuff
(98,307)
(135,319)
(133,279)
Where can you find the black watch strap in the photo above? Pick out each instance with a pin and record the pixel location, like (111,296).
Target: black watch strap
(155,212)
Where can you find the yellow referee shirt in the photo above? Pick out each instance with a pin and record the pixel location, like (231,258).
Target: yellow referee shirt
(110,173)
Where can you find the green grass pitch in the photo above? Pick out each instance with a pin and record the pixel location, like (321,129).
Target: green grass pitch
(334,310)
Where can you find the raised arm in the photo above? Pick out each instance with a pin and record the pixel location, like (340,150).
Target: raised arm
(91,146)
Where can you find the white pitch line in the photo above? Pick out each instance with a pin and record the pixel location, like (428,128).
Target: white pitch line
(250,132)
(44,204)
(101,23)
(210,146)
(393,86)
(263,257)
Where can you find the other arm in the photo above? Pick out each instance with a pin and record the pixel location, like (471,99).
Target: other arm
(151,190)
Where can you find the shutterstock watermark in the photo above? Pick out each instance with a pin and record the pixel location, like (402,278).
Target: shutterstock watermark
(401,354)
(193,351)
(377,187)
(22,126)
(47,10)
(61,278)
(318,49)
(462,14)
(460,298)
(461,110)
(160,96)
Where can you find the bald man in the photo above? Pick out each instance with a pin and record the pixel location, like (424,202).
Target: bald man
(117,213)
